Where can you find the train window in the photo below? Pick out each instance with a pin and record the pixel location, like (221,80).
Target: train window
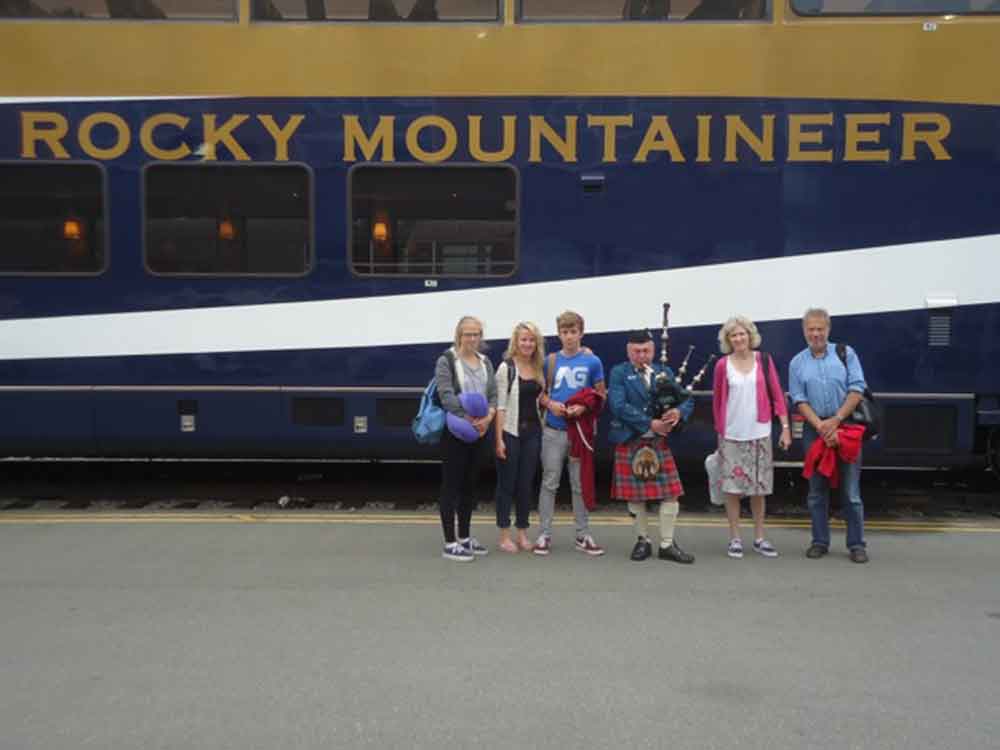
(376,10)
(52,219)
(893,7)
(643,10)
(434,221)
(144,10)
(233,220)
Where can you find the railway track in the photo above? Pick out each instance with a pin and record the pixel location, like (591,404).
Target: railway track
(291,487)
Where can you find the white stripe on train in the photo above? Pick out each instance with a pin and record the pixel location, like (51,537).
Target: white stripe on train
(852,282)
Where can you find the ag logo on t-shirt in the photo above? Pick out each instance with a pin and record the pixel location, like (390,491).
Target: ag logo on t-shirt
(570,377)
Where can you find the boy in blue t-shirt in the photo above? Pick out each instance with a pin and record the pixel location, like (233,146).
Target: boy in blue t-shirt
(573,369)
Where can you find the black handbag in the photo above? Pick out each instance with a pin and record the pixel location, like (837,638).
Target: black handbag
(867,412)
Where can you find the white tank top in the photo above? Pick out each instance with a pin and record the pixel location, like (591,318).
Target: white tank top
(741,406)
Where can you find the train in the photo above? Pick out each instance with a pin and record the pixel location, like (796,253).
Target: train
(245,230)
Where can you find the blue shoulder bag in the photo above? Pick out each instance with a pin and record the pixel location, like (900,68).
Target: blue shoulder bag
(428,424)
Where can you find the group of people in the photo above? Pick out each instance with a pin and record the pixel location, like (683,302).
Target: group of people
(544,409)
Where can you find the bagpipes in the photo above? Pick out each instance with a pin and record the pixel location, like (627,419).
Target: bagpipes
(670,392)
(667,392)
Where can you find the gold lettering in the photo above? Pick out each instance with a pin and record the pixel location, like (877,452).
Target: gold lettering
(659,137)
(431,121)
(122,141)
(383,136)
(931,138)
(48,127)
(476,136)
(797,138)
(281,135)
(854,136)
(224,135)
(762,145)
(704,138)
(610,123)
(539,128)
(149,144)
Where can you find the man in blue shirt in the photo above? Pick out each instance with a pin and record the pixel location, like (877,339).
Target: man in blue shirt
(826,392)
(568,371)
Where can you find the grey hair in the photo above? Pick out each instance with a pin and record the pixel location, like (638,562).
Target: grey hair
(737,321)
(816,312)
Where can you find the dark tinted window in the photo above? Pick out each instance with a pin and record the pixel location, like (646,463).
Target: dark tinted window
(376,10)
(643,10)
(434,221)
(894,7)
(232,220)
(148,10)
(51,218)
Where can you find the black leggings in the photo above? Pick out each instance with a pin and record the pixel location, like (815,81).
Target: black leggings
(459,473)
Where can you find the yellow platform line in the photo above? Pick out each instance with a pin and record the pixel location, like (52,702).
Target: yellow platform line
(428,519)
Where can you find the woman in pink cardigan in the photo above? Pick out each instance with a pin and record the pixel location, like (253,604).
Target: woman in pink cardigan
(746,395)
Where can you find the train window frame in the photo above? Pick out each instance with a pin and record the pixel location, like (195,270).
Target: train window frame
(310,221)
(498,20)
(349,249)
(805,15)
(233,17)
(105,216)
(519,17)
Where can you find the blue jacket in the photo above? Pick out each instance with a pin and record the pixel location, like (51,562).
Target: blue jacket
(628,399)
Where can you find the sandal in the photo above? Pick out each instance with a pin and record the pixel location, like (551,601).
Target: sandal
(507,546)
(524,543)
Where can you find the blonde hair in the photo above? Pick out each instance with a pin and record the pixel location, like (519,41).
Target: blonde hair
(569,319)
(538,358)
(737,321)
(458,329)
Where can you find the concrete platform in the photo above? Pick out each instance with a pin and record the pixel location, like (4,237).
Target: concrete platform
(222,630)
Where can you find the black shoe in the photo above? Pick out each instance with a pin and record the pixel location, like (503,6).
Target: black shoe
(676,554)
(859,555)
(642,550)
(816,551)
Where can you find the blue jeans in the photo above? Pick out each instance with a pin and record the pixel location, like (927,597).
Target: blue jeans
(516,477)
(850,499)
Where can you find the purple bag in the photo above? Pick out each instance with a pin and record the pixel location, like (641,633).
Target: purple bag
(475,406)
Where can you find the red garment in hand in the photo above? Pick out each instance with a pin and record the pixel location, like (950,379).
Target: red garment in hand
(823,458)
(581,431)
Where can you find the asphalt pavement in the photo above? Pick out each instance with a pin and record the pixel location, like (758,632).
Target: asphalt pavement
(347,630)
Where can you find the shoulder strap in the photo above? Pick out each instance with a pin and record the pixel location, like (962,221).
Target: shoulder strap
(767,364)
(510,372)
(550,372)
(453,361)
(842,353)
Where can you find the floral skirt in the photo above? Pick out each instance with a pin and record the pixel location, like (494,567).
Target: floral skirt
(747,466)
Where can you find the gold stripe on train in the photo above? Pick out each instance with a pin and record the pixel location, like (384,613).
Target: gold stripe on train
(895,59)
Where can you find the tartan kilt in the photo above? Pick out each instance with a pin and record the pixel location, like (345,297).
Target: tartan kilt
(627,487)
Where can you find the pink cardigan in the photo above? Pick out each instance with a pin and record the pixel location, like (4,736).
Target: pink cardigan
(720,393)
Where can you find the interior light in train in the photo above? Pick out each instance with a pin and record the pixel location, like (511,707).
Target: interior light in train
(72,229)
(226,229)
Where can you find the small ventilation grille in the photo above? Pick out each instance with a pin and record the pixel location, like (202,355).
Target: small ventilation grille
(939,329)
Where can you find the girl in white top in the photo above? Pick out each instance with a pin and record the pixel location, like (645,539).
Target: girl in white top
(518,431)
